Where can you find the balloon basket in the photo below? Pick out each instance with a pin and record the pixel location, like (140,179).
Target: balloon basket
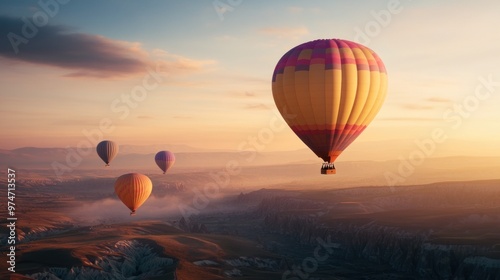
(328,171)
(328,168)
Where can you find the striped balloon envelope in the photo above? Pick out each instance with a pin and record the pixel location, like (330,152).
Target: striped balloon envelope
(107,150)
(328,91)
(164,160)
(133,189)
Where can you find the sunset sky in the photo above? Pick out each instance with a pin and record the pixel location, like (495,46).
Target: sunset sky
(213,89)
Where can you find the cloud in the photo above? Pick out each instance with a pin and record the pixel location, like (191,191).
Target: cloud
(285,32)
(242,94)
(86,55)
(250,79)
(428,104)
(90,122)
(112,209)
(181,63)
(256,106)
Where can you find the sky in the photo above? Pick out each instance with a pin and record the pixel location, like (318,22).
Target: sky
(198,73)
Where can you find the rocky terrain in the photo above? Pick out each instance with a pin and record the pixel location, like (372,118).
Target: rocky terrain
(395,231)
(125,259)
(448,230)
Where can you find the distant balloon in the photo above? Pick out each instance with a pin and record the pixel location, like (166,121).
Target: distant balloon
(328,91)
(133,189)
(165,160)
(107,150)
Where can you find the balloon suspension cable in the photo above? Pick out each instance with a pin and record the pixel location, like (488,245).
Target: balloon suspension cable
(328,168)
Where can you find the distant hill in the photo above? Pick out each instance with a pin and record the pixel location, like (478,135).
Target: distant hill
(291,169)
(143,157)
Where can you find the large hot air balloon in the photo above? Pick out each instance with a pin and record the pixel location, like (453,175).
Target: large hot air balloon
(328,91)
(165,160)
(133,189)
(107,150)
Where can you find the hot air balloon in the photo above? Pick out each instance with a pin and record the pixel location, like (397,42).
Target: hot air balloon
(107,150)
(328,91)
(165,160)
(133,189)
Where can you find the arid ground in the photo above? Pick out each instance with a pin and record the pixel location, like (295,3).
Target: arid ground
(268,221)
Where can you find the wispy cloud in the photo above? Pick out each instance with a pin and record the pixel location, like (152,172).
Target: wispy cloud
(76,122)
(87,55)
(285,32)
(429,103)
(256,106)
(181,63)
(242,94)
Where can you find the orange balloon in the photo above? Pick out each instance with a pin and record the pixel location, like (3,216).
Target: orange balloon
(133,189)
